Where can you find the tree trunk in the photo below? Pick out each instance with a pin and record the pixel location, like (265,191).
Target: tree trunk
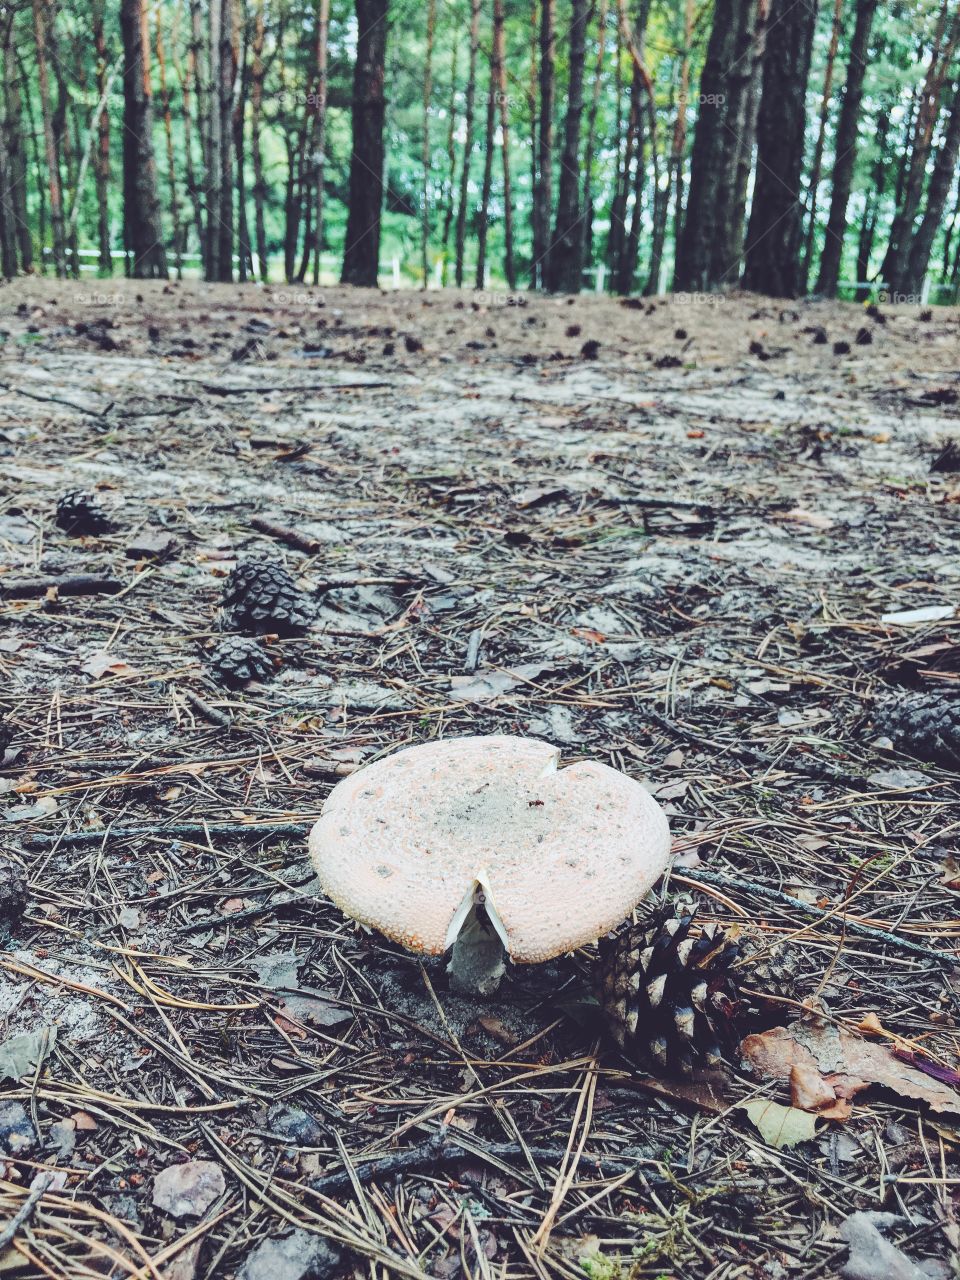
(451,182)
(941,180)
(228,73)
(621,194)
(190,79)
(483,221)
(244,252)
(320,141)
(543,194)
(168,134)
(8,217)
(461,232)
(898,244)
(588,166)
(565,262)
(143,237)
(361,259)
(773,237)
(52,154)
(500,84)
(845,151)
(102,162)
(694,269)
(868,225)
(813,185)
(425,149)
(16,151)
(258,75)
(680,132)
(214,141)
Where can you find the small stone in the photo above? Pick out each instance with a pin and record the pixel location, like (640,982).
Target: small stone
(17,1133)
(189,1188)
(294,1125)
(150,546)
(298,1256)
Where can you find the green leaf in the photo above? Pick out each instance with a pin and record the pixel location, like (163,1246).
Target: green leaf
(21,1055)
(780,1126)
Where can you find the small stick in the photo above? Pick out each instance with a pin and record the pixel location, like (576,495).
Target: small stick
(25,1210)
(808,908)
(209,713)
(292,537)
(83,584)
(76,839)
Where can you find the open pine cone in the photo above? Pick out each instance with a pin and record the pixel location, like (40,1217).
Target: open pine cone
(80,513)
(239,659)
(924,725)
(673,993)
(263,599)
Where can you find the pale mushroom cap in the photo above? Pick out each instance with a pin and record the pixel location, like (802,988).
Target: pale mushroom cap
(564,853)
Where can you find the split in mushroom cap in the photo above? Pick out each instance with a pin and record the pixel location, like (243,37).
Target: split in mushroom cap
(558,856)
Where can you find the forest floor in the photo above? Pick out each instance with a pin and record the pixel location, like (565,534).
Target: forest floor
(660,535)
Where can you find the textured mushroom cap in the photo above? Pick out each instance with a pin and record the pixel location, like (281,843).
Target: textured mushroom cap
(564,853)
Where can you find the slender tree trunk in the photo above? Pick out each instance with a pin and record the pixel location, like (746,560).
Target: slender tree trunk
(244,252)
(941,180)
(461,232)
(16,150)
(425,149)
(845,152)
(898,244)
(868,225)
(500,86)
(8,217)
(451,181)
(228,75)
(320,141)
(102,161)
(486,188)
(680,131)
(543,196)
(214,143)
(144,234)
(565,263)
(258,76)
(168,133)
(536,230)
(816,168)
(621,195)
(361,259)
(190,79)
(773,237)
(588,166)
(40,11)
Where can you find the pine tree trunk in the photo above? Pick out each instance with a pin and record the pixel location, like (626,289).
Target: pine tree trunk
(214,141)
(565,263)
(190,79)
(485,190)
(16,151)
(543,195)
(846,152)
(708,174)
(680,132)
(816,168)
(258,76)
(361,259)
(941,180)
(425,149)
(52,156)
(898,243)
(500,84)
(102,161)
(143,233)
(461,232)
(868,226)
(588,166)
(228,72)
(773,236)
(244,252)
(9,125)
(621,194)
(451,180)
(320,140)
(168,134)
(536,230)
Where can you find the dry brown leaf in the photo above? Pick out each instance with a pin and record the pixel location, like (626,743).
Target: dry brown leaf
(846,1063)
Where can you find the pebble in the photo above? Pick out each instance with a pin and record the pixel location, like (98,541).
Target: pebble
(189,1188)
(298,1256)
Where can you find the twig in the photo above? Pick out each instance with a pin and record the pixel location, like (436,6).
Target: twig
(254,830)
(83,584)
(285,534)
(851,926)
(209,713)
(26,1209)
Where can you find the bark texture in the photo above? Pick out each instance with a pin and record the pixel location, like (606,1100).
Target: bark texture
(361,258)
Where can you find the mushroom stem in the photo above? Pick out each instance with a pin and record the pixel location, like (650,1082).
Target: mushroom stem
(478,960)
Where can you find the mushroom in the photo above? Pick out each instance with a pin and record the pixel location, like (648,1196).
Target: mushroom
(486,846)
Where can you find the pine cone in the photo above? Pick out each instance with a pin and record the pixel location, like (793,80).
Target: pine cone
(80,513)
(673,996)
(923,725)
(669,996)
(264,600)
(13,890)
(238,660)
